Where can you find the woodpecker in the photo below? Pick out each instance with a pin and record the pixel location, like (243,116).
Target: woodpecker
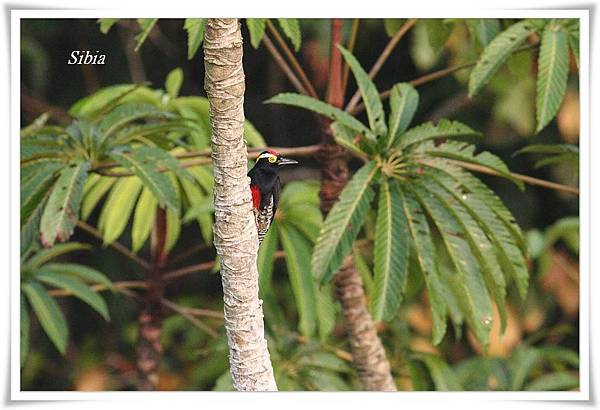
(266,188)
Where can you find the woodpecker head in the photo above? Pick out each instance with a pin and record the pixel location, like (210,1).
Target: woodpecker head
(271,160)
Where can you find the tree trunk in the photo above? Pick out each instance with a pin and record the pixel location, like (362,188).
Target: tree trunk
(148,347)
(368,353)
(235,235)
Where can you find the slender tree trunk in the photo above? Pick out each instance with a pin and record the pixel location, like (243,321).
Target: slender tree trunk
(236,238)
(148,347)
(368,353)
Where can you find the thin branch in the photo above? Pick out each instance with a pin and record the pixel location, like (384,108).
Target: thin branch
(434,76)
(191,318)
(100,287)
(292,59)
(200,267)
(119,247)
(284,65)
(203,158)
(382,59)
(184,254)
(525,178)
(37,106)
(350,47)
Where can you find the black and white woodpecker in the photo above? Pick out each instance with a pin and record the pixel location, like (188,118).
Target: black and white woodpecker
(266,188)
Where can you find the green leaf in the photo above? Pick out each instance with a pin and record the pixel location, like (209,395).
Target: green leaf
(390,253)
(107,99)
(195,33)
(266,259)
(45,255)
(118,207)
(106,24)
(404,100)
(427,261)
(124,114)
(392,26)
(496,53)
(252,136)
(291,28)
(343,223)
(78,288)
(325,311)
(62,210)
(443,129)
(349,139)
(94,190)
(574,44)
(442,374)
(553,63)
(81,272)
(48,313)
(554,382)
(143,219)
(465,152)
(562,153)
(36,188)
(173,229)
(484,30)
(521,364)
(145,25)
(25,325)
(297,258)
(369,93)
(256,27)
(467,282)
(143,162)
(326,110)
(174,81)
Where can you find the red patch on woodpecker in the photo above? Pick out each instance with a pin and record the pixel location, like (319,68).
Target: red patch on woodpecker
(270,151)
(255,196)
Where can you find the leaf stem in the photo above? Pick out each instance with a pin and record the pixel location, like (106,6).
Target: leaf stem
(385,54)
(284,65)
(292,59)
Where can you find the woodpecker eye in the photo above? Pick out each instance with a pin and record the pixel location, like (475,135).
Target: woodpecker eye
(272,159)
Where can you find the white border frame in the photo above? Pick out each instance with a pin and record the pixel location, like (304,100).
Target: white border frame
(284,399)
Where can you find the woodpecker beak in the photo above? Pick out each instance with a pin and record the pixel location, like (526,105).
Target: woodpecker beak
(285,161)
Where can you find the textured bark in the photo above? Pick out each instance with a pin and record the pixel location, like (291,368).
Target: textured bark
(235,236)
(368,353)
(148,347)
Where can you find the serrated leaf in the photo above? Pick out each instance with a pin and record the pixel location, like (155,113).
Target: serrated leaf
(427,131)
(24,331)
(48,313)
(256,28)
(484,30)
(45,255)
(325,311)
(81,272)
(556,381)
(442,374)
(118,207)
(291,28)
(36,188)
(390,253)
(327,110)
(465,152)
(142,163)
(76,287)
(349,139)
(404,100)
(369,93)
(468,283)
(553,63)
(343,223)
(427,260)
(106,24)
(266,259)
(195,33)
(173,82)
(94,190)
(297,258)
(124,114)
(62,209)
(145,25)
(496,53)
(143,219)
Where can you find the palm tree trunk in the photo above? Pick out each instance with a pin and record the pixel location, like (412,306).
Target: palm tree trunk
(368,353)
(236,238)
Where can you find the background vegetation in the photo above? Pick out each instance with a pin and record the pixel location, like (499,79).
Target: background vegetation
(82,299)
